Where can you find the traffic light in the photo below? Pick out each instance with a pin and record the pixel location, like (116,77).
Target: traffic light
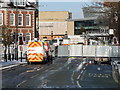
(20,40)
(15,36)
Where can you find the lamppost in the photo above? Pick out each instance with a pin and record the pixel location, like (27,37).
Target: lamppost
(36,13)
(16,34)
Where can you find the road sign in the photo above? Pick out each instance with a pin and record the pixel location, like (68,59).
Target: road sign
(111,31)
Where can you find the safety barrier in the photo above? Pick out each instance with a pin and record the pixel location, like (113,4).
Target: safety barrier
(63,51)
(89,51)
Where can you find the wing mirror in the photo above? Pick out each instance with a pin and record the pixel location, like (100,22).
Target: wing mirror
(52,50)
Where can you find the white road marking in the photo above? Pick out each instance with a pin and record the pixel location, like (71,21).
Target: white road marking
(79,76)
(79,67)
(84,68)
(9,66)
(106,76)
(83,74)
(21,83)
(39,69)
(35,67)
(78,84)
(81,71)
(69,60)
(103,76)
(89,74)
(34,76)
(72,77)
(98,76)
(53,70)
(22,73)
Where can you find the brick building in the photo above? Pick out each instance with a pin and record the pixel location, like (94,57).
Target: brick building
(19,18)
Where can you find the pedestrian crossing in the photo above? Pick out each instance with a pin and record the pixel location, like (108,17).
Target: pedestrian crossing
(95,75)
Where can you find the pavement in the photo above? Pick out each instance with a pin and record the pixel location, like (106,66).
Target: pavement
(10,64)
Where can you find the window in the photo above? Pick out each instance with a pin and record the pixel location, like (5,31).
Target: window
(20,19)
(19,2)
(12,19)
(1,18)
(28,20)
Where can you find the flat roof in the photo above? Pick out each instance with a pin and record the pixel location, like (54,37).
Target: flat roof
(83,19)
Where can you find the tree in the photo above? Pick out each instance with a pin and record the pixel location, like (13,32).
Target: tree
(108,15)
(114,17)
(6,40)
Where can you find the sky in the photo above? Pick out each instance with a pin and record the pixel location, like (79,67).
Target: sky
(74,7)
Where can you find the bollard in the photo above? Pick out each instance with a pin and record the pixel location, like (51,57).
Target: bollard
(12,57)
(21,56)
(26,56)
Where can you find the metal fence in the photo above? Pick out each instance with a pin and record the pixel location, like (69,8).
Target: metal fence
(89,51)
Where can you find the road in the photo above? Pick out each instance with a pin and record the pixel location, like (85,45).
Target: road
(63,73)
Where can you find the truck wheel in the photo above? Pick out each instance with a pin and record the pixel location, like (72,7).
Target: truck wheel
(48,59)
(28,62)
(44,60)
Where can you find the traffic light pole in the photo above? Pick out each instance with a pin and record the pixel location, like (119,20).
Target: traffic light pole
(35,34)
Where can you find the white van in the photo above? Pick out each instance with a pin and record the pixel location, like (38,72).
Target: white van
(36,52)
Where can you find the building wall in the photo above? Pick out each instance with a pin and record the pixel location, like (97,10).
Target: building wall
(70,27)
(53,21)
(58,28)
(54,15)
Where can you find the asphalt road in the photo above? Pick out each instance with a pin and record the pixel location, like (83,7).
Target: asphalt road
(96,76)
(63,73)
